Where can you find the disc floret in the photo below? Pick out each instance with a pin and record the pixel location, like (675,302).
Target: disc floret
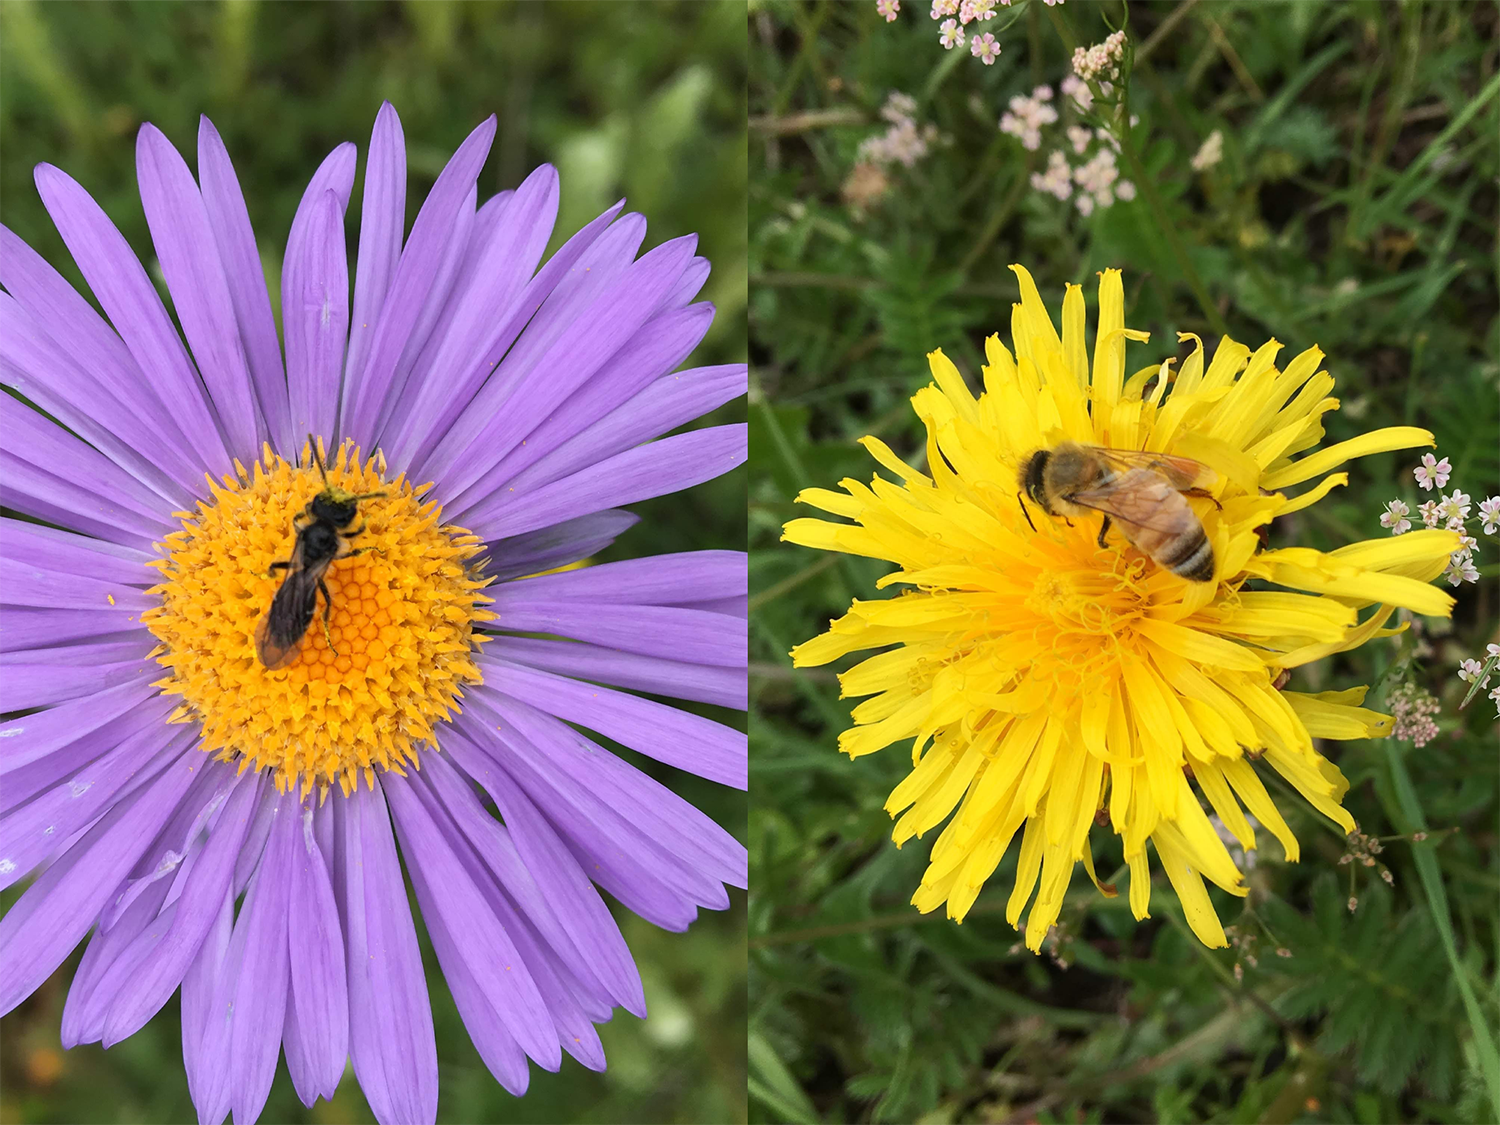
(401,626)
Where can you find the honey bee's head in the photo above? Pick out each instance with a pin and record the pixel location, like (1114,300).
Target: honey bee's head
(1032,470)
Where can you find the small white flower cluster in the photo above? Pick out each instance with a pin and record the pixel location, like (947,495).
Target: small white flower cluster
(1413,709)
(1209,153)
(1451,511)
(955,15)
(1026,117)
(1473,671)
(903,142)
(1091,183)
(1083,97)
(951,31)
(1102,60)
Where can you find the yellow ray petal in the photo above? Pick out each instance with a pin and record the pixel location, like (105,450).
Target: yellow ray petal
(1376,441)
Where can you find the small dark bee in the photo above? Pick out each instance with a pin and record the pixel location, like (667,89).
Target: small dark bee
(323,535)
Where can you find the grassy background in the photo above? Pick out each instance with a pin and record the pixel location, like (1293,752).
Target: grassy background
(1355,208)
(645,100)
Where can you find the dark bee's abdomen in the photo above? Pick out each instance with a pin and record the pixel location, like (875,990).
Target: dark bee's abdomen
(1191,557)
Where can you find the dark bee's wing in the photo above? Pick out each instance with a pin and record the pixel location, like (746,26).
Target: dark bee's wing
(1133,497)
(278,633)
(1182,473)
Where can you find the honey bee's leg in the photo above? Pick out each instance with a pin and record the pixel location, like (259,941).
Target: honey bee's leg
(360,530)
(278,566)
(327,613)
(1103,530)
(1024,512)
(1204,492)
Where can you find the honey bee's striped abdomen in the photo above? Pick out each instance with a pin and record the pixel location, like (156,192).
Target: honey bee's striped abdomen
(1190,556)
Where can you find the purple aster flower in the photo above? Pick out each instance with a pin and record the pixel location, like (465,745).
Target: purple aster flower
(234,828)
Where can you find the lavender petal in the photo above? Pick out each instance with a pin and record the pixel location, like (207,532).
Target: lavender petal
(437,301)
(183,236)
(382,220)
(315,315)
(320,996)
(204,1045)
(49,466)
(504,261)
(567,261)
(365,389)
(658,347)
(33,737)
(678,738)
(390,1033)
(229,220)
(476,442)
(37,629)
(258,996)
(544,877)
(38,828)
(496,869)
(688,285)
(654,580)
(664,466)
(501,1053)
(699,682)
(650,630)
(666,404)
(83,1013)
(132,305)
(99,359)
(54,549)
(699,849)
(39,931)
(27,782)
(177,941)
(445,890)
(616,856)
(557,544)
(32,363)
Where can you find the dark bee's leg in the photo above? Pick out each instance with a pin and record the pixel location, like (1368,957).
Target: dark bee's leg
(1103,530)
(278,566)
(1024,512)
(327,613)
(1204,492)
(360,530)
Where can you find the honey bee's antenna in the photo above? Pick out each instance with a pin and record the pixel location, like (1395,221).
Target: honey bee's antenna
(318,460)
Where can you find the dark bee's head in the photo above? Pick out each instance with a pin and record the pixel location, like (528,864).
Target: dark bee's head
(1031,478)
(332,505)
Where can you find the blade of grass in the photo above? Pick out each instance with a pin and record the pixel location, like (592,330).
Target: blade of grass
(772,1083)
(1415,169)
(1437,902)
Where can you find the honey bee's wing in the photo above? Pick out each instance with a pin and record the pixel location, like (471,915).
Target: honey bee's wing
(1133,497)
(279,632)
(1182,473)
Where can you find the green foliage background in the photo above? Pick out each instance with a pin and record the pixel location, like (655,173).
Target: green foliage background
(645,100)
(1355,208)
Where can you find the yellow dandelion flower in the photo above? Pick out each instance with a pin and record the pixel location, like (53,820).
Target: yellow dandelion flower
(1047,680)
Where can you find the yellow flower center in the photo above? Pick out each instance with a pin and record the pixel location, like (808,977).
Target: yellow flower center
(401,625)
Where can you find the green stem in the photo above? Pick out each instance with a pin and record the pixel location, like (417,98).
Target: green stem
(1147,188)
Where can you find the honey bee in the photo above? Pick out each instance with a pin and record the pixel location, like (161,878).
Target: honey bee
(1140,491)
(323,535)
